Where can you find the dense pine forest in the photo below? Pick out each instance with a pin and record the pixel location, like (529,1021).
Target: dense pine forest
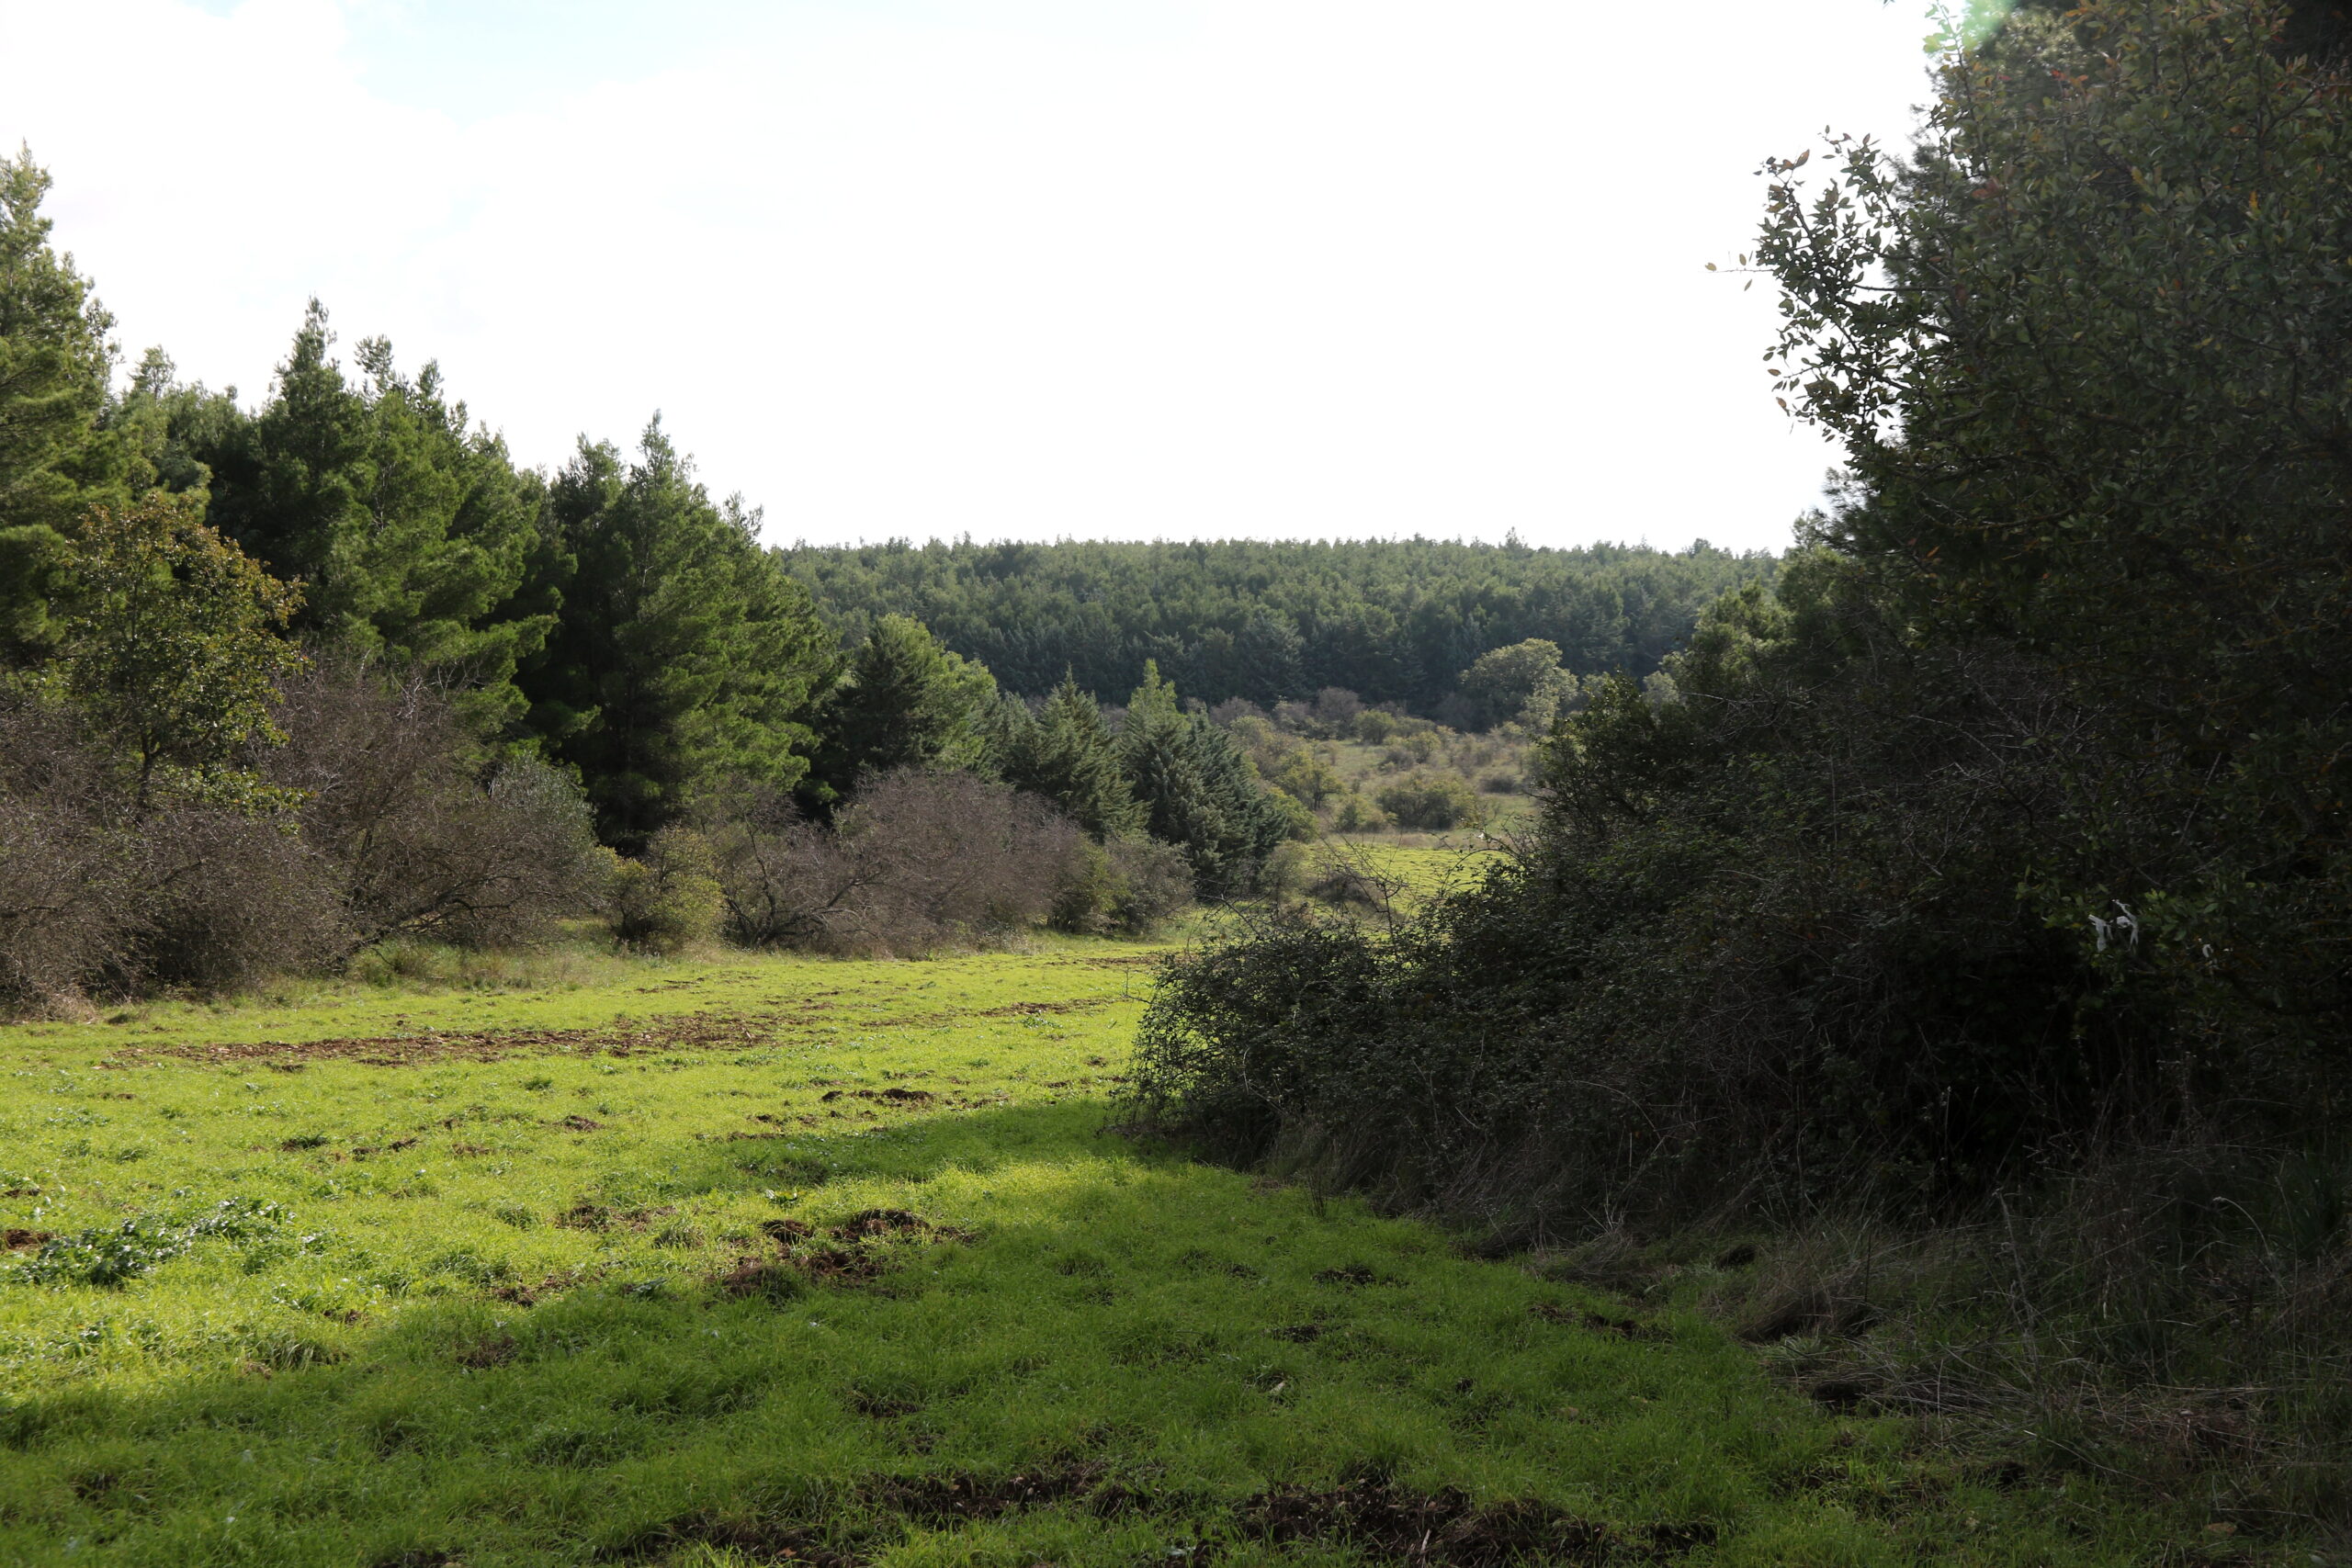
(1392,621)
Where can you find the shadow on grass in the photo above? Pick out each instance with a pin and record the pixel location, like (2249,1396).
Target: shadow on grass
(1114,1358)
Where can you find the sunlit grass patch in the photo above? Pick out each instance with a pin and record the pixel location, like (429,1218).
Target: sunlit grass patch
(776,1259)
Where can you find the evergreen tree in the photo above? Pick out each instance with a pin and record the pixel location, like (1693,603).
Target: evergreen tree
(408,530)
(1198,791)
(903,701)
(1066,753)
(683,654)
(55,460)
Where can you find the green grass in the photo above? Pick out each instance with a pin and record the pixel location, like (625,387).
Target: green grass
(492,1287)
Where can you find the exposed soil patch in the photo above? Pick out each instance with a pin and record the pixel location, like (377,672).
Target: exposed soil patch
(531,1295)
(622,1037)
(1025,1009)
(1623,1327)
(1356,1274)
(875,1224)
(1445,1527)
(17,1239)
(762,1279)
(944,1499)
(491,1351)
(838,1265)
(762,1541)
(894,1095)
(581,1125)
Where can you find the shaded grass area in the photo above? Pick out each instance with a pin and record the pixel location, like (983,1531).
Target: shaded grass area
(789,1260)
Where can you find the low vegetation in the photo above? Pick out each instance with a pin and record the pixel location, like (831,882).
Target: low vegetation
(785,1259)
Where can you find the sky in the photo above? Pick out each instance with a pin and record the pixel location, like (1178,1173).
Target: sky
(1010,268)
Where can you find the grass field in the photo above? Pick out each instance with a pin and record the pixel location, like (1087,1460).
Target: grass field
(792,1260)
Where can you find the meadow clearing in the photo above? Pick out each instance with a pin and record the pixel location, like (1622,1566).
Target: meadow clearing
(755,1259)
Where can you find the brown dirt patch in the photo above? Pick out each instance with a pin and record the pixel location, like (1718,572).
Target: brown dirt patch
(621,1037)
(1027,1009)
(1354,1275)
(17,1239)
(946,1499)
(491,1351)
(876,1224)
(1623,1327)
(531,1295)
(838,1265)
(761,1540)
(762,1279)
(1389,1524)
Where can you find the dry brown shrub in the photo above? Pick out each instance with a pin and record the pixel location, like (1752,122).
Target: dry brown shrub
(66,861)
(420,831)
(920,862)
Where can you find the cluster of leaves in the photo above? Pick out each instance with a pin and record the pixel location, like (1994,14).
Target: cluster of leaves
(2007,819)
(116,1255)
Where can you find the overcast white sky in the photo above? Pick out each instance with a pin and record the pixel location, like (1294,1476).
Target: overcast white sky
(1020,268)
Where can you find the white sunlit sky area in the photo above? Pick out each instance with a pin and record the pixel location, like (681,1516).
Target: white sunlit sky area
(1011,268)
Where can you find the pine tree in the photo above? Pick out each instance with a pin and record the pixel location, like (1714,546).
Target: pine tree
(903,701)
(1198,791)
(55,460)
(408,530)
(683,653)
(1066,753)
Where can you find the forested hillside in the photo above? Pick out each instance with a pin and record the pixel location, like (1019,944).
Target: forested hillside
(1393,621)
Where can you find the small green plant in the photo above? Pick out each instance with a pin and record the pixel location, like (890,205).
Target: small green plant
(669,899)
(116,1255)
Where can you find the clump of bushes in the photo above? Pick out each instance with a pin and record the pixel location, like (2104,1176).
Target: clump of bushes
(378,817)
(918,862)
(1128,885)
(1433,800)
(668,898)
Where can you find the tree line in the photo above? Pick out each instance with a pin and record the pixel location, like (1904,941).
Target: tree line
(345,614)
(1393,621)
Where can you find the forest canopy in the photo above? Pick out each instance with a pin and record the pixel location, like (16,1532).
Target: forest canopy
(1393,621)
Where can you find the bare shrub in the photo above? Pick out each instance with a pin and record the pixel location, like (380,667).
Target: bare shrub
(65,863)
(419,832)
(922,861)
(228,896)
